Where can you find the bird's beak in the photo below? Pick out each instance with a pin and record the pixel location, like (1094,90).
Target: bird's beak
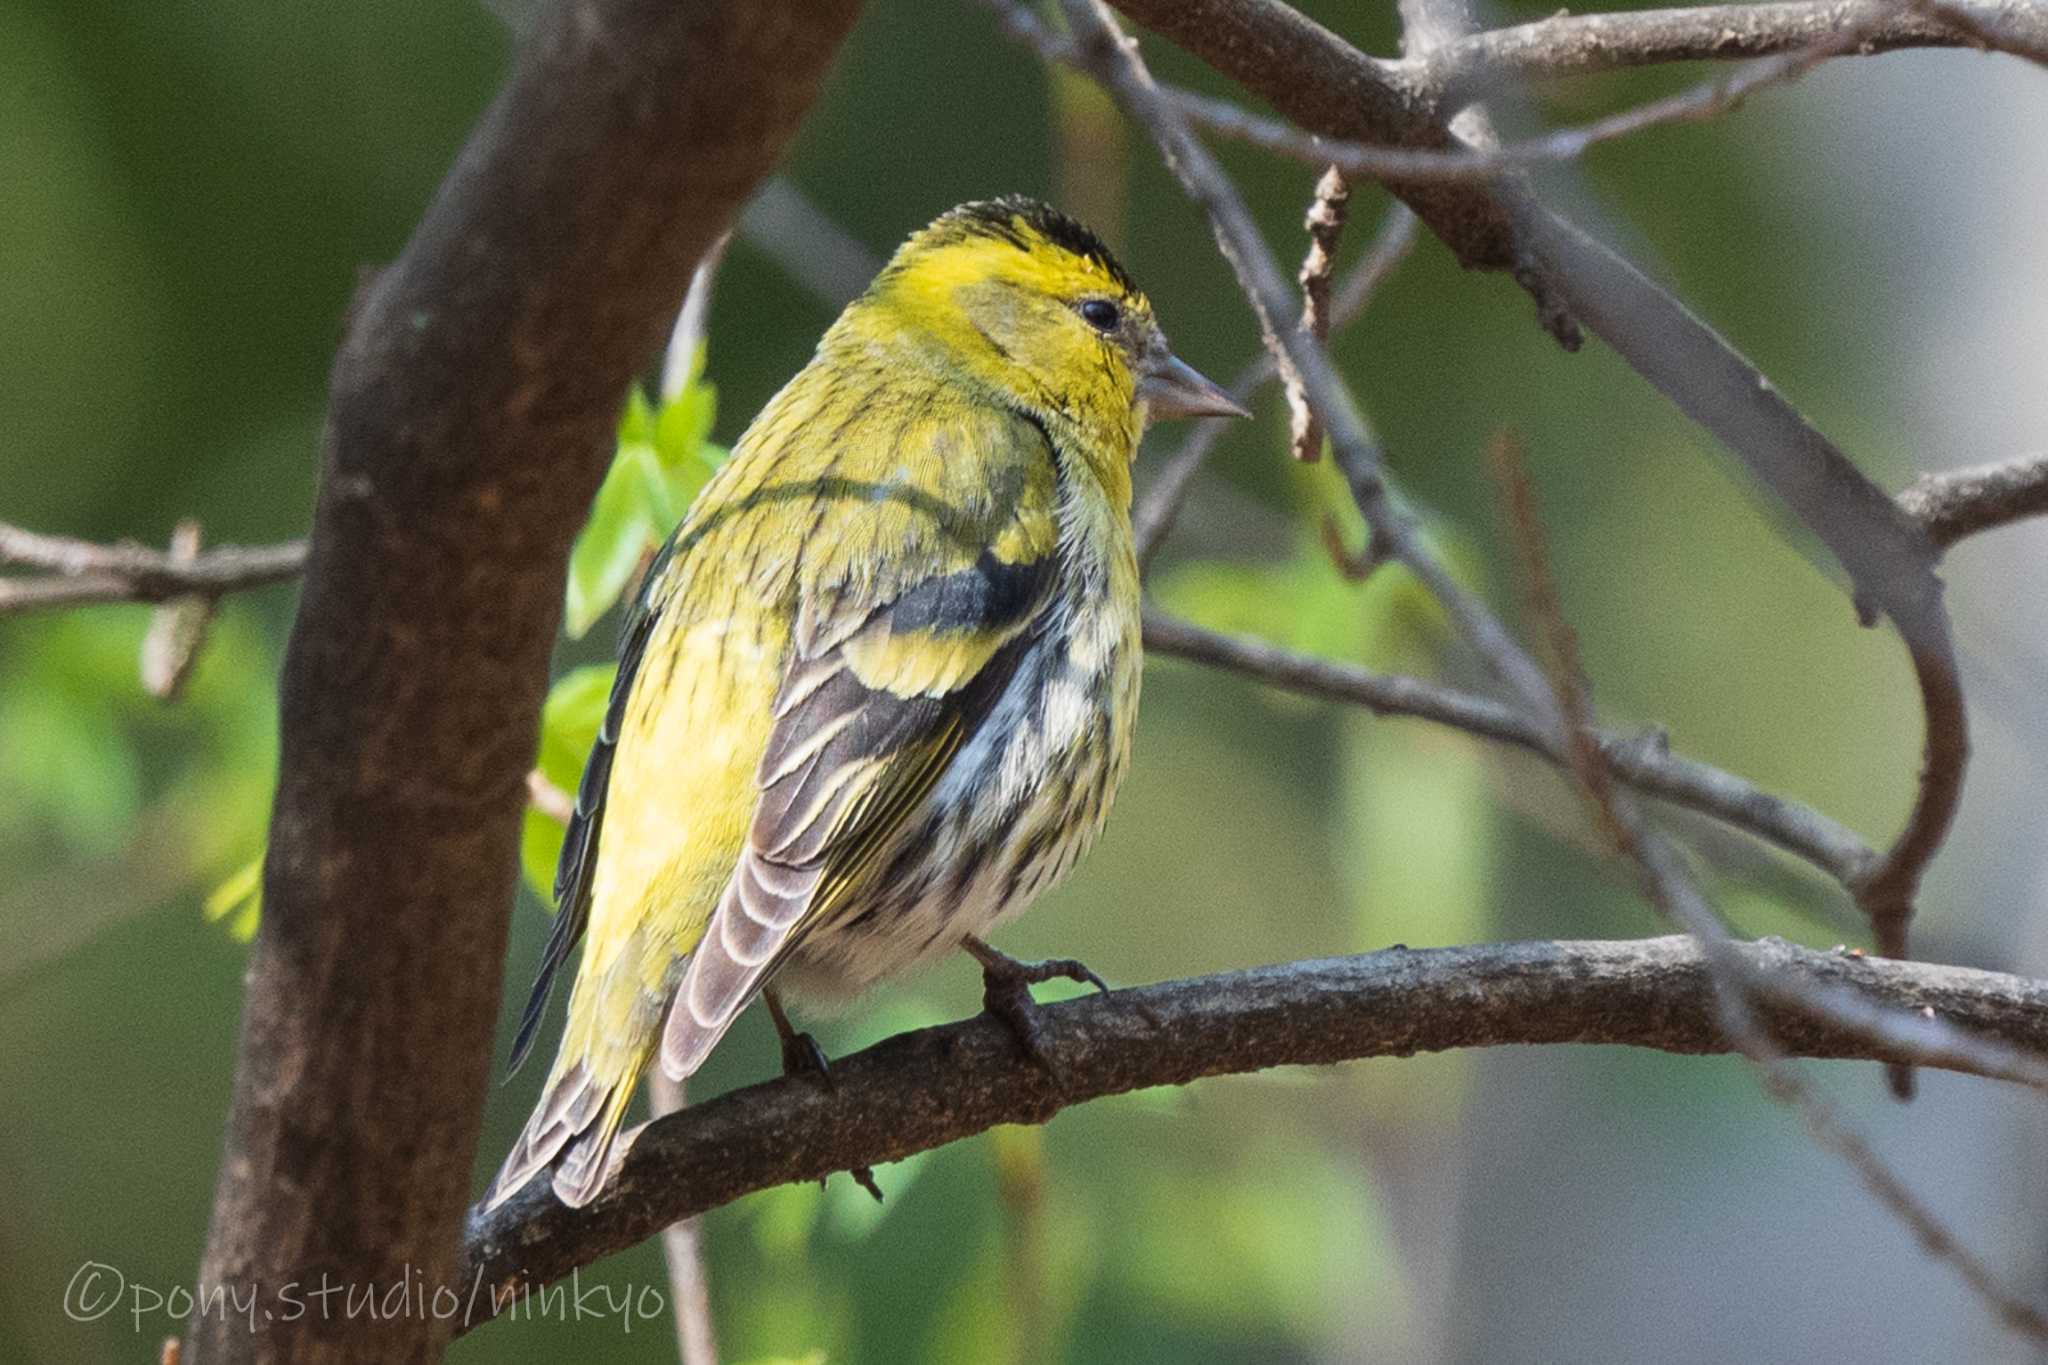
(1170,387)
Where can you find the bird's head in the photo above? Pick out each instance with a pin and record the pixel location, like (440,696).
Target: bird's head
(1029,304)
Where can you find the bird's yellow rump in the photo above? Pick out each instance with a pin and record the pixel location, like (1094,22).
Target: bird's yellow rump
(879,688)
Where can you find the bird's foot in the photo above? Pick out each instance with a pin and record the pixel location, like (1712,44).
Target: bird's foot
(1006,986)
(801,1056)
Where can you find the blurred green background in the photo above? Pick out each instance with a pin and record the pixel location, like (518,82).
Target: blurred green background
(190,191)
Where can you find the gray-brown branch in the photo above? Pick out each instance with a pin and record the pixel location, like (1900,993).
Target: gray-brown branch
(1581,44)
(1329,87)
(473,411)
(924,1089)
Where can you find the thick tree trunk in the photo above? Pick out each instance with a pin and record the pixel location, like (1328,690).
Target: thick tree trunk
(472,416)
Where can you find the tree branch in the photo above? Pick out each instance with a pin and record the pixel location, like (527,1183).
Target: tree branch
(924,1089)
(82,572)
(1954,505)
(1643,762)
(1583,44)
(476,396)
(1155,514)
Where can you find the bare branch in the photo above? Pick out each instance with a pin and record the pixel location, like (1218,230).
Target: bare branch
(1327,213)
(924,1089)
(1162,502)
(1698,104)
(1643,762)
(1951,506)
(82,573)
(682,1249)
(1582,44)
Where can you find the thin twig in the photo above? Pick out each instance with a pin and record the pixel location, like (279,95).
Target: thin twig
(1327,213)
(1567,670)
(1163,500)
(1644,762)
(82,572)
(1965,501)
(682,1248)
(1701,103)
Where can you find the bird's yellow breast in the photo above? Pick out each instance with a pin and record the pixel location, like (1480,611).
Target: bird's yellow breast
(857,482)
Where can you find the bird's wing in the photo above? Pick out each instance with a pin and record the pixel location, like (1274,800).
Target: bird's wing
(579,839)
(873,706)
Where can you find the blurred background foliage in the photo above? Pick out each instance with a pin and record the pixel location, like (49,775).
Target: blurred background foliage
(191,191)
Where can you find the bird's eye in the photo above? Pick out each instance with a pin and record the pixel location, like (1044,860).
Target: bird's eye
(1101,314)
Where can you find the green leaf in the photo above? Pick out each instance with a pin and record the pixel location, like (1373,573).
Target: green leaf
(682,425)
(238,901)
(661,463)
(540,850)
(569,721)
(624,524)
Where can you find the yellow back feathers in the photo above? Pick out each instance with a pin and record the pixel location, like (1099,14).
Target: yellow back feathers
(879,688)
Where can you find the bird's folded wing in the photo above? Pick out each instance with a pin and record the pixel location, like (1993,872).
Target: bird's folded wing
(873,706)
(579,840)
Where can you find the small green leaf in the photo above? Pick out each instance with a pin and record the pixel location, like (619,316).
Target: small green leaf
(540,849)
(682,426)
(238,901)
(623,526)
(569,721)
(636,423)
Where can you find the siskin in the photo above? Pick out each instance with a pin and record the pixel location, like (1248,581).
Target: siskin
(880,686)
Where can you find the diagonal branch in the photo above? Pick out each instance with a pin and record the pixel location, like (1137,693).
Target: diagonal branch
(1644,763)
(1583,44)
(1329,87)
(924,1089)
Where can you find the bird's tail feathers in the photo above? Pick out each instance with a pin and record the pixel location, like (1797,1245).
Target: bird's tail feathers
(575,1126)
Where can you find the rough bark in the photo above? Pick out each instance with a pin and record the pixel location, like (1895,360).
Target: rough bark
(921,1090)
(472,414)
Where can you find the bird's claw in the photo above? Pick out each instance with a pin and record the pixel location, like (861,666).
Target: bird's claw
(801,1056)
(1006,984)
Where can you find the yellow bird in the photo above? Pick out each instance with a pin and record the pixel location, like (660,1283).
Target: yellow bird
(880,685)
